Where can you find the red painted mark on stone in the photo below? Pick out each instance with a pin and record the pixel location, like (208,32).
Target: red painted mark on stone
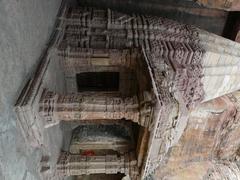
(88,153)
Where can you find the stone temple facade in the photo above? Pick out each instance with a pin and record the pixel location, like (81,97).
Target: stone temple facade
(130,82)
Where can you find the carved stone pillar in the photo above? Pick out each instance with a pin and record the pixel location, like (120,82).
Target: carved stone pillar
(71,165)
(76,60)
(91,106)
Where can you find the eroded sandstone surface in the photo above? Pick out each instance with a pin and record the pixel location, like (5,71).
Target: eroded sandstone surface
(209,146)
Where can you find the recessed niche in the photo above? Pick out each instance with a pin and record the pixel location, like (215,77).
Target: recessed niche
(103,139)
(98,81)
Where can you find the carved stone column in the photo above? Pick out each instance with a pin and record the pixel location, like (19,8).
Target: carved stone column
(91,106)
(71,165)
(76,60)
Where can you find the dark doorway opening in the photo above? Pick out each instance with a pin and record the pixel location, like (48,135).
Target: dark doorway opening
(98,81)
(101,176)
(232,25)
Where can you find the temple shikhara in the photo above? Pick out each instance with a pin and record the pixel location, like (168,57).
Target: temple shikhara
(137,92)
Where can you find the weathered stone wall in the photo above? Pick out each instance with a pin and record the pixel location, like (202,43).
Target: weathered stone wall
(25,27)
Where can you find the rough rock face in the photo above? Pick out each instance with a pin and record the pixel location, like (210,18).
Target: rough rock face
(25,27)
(209,146)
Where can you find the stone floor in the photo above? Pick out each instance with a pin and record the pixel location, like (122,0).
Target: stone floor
(25,27)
